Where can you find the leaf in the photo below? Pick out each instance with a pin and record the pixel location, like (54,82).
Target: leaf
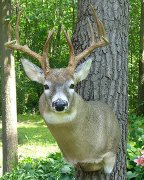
(128,146)
(131,175)
(66,169)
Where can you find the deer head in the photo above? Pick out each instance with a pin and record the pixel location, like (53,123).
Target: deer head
(59,83)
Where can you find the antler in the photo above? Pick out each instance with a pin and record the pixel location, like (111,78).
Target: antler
(43,59)
(71,49)
(73,60)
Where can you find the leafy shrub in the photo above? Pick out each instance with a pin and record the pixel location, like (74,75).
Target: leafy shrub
(52,167)
(135,143)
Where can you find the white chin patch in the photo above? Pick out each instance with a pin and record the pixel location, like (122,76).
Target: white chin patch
(59,117)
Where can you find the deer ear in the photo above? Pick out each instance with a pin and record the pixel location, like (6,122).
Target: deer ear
(82,70)
(33,72)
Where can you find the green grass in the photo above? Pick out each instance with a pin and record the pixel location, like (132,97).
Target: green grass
(32,130)
(34,138)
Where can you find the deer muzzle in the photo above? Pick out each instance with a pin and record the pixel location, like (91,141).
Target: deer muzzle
(60,105)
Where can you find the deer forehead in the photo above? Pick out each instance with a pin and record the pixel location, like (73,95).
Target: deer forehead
(59,76)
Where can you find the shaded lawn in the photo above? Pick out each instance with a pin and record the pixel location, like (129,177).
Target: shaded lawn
(34,138)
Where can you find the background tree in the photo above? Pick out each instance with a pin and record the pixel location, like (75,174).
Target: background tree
(107,81)
(141,64)
(9,114)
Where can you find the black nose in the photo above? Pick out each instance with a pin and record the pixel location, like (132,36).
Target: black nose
(59,104)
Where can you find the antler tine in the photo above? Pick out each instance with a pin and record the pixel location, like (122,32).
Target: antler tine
(94,44)
(47,43)
(103,32)
(45,50)
(97,21)
(92,31)
(17,28)
(71,49)
(100,27)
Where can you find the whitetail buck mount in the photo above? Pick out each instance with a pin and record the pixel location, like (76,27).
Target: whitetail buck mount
(87,132)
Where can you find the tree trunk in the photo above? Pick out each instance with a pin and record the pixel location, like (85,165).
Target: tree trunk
(99,175)
(9,115)
(107,80)
(141,64)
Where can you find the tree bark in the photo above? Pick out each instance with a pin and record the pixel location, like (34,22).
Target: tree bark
(107,80)
(99,175)
(9,114)
(141,64)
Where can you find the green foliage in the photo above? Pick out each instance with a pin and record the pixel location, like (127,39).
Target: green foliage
(135,143)
(134,53)
(133,171)
(52,167)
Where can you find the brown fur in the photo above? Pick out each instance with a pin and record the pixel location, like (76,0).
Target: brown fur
(59,75)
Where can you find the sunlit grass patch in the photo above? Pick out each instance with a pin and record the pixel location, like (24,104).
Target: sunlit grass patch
(35,151)
(34,133)
(32,130)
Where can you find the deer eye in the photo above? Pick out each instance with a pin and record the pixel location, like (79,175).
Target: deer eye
(46,86)
(72,86)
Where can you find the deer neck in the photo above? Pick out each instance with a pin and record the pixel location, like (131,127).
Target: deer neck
(53,118)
